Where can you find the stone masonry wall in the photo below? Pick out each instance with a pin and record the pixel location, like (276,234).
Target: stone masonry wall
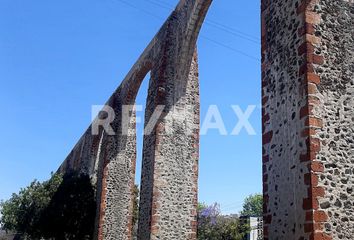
(170,164)
(283,91)
(171,154)
(308,118)
(335,93)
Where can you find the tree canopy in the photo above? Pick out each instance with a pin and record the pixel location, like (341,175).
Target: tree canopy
(64,208)
(22,212)
(253,205)
(60,208)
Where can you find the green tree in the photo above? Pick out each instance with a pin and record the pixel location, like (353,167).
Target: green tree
(201,206)
(71,211)
(60,208)
(253,205)
(9,212)
(22,212)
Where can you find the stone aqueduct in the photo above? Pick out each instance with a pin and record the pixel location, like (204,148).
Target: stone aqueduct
(308,133)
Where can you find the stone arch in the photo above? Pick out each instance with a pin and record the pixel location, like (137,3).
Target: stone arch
(171,58)
(301,105)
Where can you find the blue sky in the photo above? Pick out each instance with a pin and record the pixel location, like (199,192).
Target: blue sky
(58,58)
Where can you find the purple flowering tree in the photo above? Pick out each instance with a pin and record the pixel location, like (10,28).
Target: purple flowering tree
(212,225)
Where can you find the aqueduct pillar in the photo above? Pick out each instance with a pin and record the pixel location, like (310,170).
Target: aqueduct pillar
(308,115)
(308,118)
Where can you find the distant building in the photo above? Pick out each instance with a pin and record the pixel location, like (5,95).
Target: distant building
(256,227)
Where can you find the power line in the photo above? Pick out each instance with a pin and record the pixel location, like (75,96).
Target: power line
(238,207)
(209,21)
(230,48)
(161,4)
(166,5)
(140,9)
(231,204)
(202,36)
(220,26)
(233,29)
(232,32)
(224,208)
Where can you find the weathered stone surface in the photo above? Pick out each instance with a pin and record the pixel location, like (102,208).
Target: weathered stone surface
(308,50)
(308,130)
(170,156)
(283,98)
(336,109)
